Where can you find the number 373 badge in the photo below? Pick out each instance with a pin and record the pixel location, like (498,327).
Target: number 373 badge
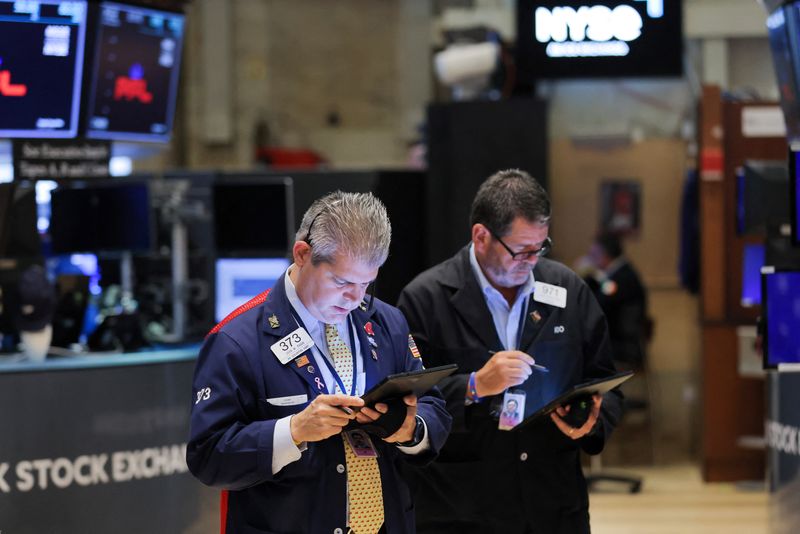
(288,348)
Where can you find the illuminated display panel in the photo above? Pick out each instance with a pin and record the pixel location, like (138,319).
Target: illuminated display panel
(135,75)
(41,65)
(599,38)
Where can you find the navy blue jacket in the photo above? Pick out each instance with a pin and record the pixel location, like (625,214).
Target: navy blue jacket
(231,439)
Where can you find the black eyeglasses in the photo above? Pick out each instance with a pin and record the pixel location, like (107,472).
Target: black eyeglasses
(526,254)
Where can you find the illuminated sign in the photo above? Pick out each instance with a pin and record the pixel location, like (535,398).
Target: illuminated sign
(133,86)
(9,89)
(581,38)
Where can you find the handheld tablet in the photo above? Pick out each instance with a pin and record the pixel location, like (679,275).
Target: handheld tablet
(599,385)
(401,384)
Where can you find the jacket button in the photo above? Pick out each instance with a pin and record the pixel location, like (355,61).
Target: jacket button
(523,456)
(340,468)
(337,531)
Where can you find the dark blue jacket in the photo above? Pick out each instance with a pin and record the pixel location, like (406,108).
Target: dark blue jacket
(231,439)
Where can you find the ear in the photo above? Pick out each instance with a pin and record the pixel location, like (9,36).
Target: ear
(480,237)
(301,253)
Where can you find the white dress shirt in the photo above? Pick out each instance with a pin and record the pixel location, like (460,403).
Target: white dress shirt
(507,319)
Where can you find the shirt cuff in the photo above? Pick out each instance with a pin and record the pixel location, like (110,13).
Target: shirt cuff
(420,447)
(284,451)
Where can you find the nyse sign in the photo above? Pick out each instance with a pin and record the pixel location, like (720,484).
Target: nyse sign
(593,31)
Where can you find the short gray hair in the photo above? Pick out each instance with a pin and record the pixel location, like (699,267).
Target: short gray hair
(506,195)
(354,224)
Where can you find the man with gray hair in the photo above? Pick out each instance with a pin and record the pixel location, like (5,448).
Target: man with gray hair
(522,328)
(277,417)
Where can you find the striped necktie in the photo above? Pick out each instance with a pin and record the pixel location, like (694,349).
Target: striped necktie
(364,493)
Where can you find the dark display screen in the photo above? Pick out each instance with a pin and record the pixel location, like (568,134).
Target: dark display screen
(135,74)
(761,196)
(108,218)
(599,38)
(782,317)
(252,217)
(41,65)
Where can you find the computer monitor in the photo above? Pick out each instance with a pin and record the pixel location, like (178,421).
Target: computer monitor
(781,315)
(253,216)
(134,82)
(240,279)
(41,65)
(19,234)
(761,196)
(108,217)
(752,262)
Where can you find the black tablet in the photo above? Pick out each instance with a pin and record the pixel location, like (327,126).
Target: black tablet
(599,385)
(401,384)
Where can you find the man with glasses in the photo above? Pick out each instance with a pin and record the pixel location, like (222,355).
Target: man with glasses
(519,326)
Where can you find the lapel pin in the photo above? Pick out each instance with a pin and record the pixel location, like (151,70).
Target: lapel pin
(310,369)
(372,341)
(363,306)
(273,321)
(368,328)
(536,316)
(374,355)
(302,361)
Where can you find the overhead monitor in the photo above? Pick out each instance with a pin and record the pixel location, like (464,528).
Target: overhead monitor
(240,279)
(111,217)
(752,262)
(253,215)
(599,38)
(134,83)
(785,75)
(781,315)
(41,66)
(761,196)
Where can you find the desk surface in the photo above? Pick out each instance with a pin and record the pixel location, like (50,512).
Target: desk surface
(12,363)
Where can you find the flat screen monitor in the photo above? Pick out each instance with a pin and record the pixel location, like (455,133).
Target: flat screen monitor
(41,66)
(752,262)
(253,215)
(19,234)
(601,38)
(762,188)
(111,217)
(240,279)
(134,81)
(786,77)
(781,315)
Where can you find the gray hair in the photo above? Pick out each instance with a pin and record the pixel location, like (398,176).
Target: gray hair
(355,224)
(506,195)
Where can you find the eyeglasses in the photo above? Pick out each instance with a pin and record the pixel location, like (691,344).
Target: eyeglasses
(526,254)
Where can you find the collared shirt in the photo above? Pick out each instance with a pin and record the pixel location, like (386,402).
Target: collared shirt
(507,319)
(284,450)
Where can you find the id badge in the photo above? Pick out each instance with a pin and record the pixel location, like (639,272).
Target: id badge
(361,444)
(291,346)
(513,409)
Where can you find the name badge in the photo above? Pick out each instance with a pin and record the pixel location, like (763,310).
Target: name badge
(292,345)
(550,294)
(292,400)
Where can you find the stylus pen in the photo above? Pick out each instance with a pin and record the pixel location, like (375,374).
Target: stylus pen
(540,368)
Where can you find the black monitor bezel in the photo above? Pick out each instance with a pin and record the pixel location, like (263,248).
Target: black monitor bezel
(232,179)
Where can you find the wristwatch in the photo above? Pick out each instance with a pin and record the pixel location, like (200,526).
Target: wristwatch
(419,433)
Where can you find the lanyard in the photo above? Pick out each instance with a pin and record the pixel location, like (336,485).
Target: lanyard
(522,314)
(326,359)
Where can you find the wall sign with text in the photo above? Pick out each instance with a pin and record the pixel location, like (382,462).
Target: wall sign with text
(599,38)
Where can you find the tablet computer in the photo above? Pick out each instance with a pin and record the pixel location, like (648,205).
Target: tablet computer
(401,384)
(598,385)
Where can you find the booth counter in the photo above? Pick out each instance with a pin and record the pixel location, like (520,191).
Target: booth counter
(97,444)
